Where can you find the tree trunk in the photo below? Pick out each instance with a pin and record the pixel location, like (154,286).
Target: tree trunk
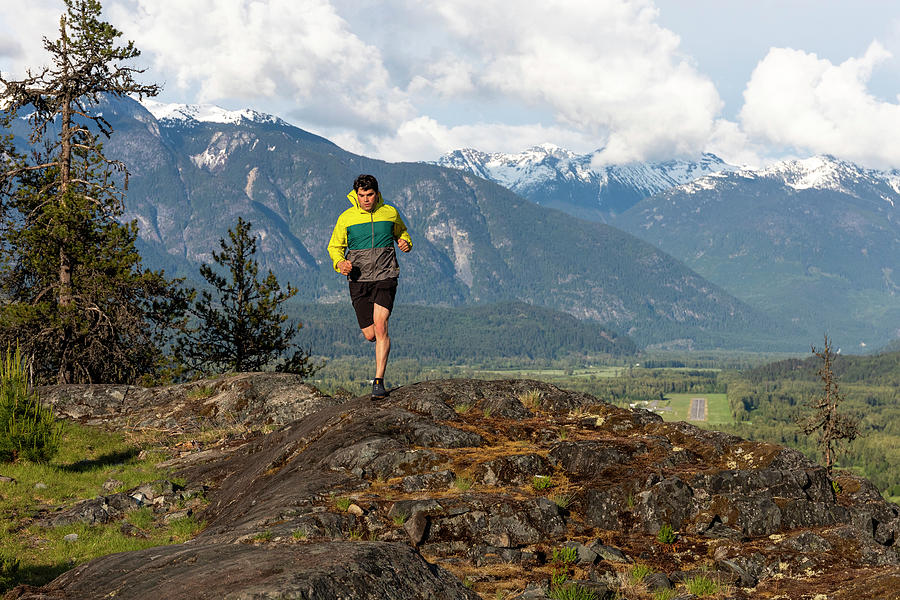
(65,177)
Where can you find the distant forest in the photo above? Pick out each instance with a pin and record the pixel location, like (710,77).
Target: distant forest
(464,334)
(766,400)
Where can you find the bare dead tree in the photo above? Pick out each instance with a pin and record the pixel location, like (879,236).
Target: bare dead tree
(824,420)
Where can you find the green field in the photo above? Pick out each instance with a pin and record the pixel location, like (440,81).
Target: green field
(675,407)
(542,374)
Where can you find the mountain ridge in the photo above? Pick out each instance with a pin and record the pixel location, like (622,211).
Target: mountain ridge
(475,242)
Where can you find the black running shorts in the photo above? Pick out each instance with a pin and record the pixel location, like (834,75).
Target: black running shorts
(366,294)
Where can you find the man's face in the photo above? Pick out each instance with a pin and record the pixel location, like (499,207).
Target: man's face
(366,199)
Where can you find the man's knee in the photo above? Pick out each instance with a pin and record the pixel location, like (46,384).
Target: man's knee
(369,333)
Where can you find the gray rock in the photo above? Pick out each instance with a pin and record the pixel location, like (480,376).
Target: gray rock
(586,555)
(102,509)
(604,508)
(72,537)
(520,469)
(130,530)
(439,480)
(250,399)
(609,553)
(416,527)
(587,458)
(179,514)
(40,486)
(407,508)
(359,570)
(657,582)
(668,502)
(111,484)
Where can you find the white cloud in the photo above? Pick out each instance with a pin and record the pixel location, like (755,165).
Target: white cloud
(424,138)
(795,99)
(299,50)
(605,68)
(22,32)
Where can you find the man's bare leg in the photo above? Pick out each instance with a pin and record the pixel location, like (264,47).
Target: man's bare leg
(382,339)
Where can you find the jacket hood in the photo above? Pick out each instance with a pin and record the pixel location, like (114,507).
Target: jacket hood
(354,200)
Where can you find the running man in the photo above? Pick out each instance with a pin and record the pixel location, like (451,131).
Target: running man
(362,248)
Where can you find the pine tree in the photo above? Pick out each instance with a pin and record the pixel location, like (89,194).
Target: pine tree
(72,288)
(243,328)
(831,426)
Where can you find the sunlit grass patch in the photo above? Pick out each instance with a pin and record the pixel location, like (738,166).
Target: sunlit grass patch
(87,458)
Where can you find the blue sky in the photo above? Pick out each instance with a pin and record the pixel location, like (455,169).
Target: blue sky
(751,81)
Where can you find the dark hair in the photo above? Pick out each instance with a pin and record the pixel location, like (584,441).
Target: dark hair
(365,182)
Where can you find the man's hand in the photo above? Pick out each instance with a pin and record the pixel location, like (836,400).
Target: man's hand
(403,245)
(345,266)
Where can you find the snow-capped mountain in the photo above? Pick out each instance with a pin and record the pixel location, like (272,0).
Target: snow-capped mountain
(553,176)
(814,241)
(823,173)
(205,113)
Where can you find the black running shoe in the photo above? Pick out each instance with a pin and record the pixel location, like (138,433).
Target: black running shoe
(378,391)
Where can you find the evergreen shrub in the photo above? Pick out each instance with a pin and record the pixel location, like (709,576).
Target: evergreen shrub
(27,427)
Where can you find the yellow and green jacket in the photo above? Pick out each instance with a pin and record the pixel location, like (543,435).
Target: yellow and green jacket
(367,239)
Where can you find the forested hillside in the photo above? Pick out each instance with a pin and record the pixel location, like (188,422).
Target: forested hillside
(463,334)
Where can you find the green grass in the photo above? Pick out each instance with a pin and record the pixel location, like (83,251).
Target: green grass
(571,591)
(701,586)
(565,555)
(542,482)
(463,484)
(86,459)
(637,573)
(676,407)
(666,534)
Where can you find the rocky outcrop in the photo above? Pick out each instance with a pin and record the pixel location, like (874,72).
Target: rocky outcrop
(387,500)
(246,399)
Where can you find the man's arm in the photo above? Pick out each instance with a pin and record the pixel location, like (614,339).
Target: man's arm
(404,242)
(336,248)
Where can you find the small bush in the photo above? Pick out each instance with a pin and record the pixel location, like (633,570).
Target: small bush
(561,500)
(462,483)
(531,398)
(27,427)
(343,503)
(263,536)
(542,482)
(201,393)
(558,578)
(836,487)
(462,408)
(638,572)
(299,534)
(565,555)
(667,594)
(666,534)
(701,585)
(400,518)
(572,591)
